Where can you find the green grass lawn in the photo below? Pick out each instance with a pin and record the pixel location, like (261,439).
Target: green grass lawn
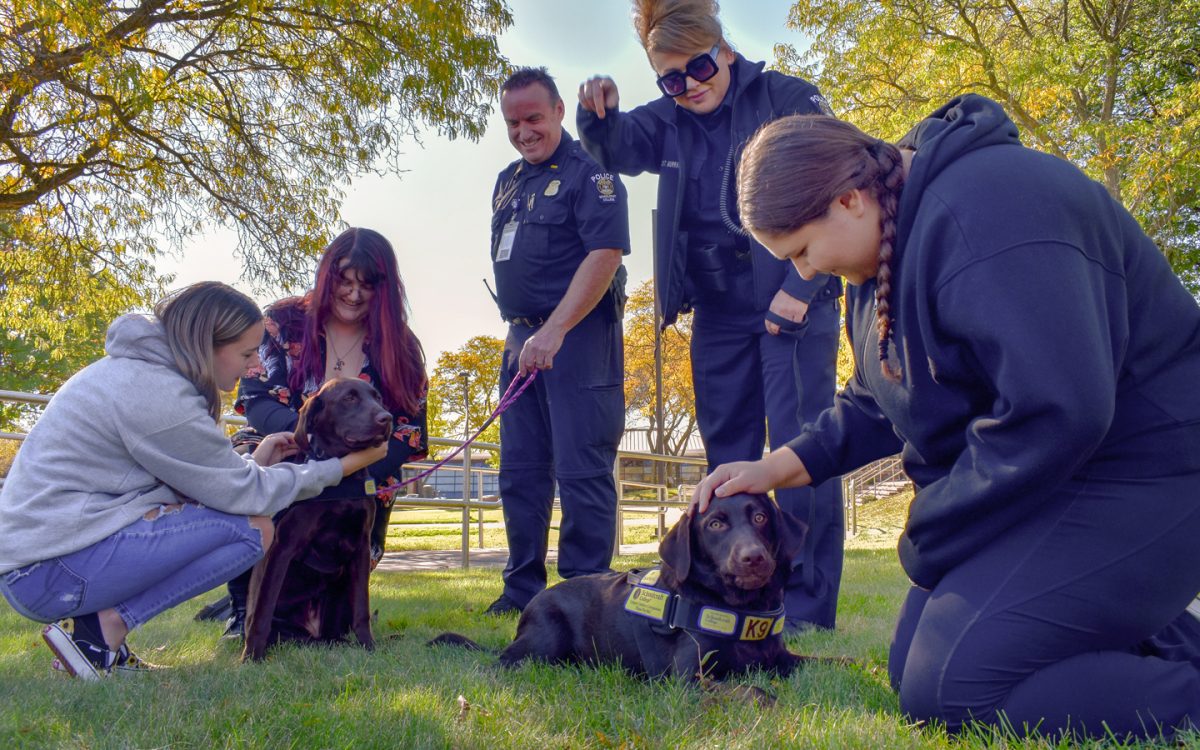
(405,695)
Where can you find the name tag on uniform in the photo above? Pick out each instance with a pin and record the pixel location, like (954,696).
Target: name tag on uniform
(507,235)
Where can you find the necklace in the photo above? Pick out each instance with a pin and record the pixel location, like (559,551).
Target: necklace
(340,359)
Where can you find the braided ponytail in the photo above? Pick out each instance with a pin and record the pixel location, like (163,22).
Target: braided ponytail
(888,180)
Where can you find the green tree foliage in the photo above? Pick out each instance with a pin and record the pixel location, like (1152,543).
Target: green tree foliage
(679,400)
(129,123)
(479,359)
(1111,85)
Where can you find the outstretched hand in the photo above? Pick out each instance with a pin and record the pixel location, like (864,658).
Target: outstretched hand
(274,448)
(599,94)
(728,479)
(780,468)
(363,458)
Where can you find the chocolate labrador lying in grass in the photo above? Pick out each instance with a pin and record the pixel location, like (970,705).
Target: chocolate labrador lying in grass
(312,584)
(714,607)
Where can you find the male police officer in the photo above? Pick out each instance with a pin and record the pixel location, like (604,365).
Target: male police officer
(560,226)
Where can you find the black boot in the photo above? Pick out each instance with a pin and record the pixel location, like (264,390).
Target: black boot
(239,592)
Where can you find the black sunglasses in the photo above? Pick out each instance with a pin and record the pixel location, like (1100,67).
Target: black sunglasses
(700,68)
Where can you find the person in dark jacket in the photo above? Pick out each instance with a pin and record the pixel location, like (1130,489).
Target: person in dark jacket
(560,228)
(354,323)
(764,340)
(1027,347)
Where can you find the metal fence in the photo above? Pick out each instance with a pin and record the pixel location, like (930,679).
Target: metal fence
(474,483)
(874,481)
(647,483)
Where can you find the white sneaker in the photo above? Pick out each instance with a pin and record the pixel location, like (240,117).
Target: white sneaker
(77,656)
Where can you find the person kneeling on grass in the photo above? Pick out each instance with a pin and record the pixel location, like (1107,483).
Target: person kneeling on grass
(127,498)
(1026,346)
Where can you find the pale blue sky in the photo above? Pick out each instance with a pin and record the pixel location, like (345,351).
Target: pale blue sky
(437,213)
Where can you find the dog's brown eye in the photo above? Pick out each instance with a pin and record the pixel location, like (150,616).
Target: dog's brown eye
(716,523)
(760,517)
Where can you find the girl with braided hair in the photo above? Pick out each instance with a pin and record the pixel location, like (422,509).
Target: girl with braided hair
(1027,348)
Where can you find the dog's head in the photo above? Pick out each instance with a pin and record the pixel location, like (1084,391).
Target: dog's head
(344,416)
(737,545)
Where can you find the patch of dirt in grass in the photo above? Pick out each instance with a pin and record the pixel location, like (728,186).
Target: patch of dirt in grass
(879,522)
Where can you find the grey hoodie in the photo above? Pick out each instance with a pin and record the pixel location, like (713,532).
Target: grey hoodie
(122,436)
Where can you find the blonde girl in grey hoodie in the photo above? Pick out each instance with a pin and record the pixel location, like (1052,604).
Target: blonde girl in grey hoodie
(126,497)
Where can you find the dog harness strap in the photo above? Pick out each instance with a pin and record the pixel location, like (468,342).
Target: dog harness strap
(676,612)
(726,622)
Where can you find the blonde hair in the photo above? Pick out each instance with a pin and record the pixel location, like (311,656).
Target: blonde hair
(198,319)
(679,26)
(794,168)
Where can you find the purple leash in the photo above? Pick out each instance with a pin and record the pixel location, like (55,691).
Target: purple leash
(507,400)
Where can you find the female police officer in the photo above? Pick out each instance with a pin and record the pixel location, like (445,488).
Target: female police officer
(764,340)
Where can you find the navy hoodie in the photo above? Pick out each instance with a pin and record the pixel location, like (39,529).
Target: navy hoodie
(1042,338)
(650,138)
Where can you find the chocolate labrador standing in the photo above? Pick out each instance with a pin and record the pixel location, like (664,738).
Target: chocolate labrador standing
(713,607)
(312,584)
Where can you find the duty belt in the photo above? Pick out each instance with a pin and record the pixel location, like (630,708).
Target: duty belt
(678,612)
(533,321)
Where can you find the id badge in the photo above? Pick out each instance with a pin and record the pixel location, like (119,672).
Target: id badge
(509,233)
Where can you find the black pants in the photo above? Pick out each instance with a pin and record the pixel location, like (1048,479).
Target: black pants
(750,385)
(564,428)
(1072,622)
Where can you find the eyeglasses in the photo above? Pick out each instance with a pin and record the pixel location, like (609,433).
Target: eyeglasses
(700,68)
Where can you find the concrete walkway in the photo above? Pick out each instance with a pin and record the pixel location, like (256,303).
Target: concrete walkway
(490,557)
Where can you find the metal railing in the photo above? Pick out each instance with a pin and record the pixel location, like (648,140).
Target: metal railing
(473,497)
(876,480)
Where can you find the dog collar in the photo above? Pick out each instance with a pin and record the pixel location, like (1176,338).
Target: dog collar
(348,488)
(679,612)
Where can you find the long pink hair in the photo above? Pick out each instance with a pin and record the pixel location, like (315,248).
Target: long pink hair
(394,351)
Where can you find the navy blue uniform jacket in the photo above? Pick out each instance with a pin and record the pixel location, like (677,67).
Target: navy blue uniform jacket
(564,207)
(1041,334)
(649,139)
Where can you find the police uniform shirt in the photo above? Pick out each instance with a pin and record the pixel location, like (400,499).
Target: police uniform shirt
(546,218)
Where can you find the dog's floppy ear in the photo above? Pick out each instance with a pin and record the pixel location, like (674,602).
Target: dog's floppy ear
(789,530)
(676,548)
(312,407)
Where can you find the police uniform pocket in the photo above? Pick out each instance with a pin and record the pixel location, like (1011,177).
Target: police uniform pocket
(540,228)
(793,329)
(608,418)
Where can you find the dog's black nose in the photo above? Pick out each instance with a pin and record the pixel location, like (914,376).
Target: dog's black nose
(751,556)
(383,418)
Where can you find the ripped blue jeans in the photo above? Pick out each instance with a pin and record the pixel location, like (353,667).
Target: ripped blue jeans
(142,570)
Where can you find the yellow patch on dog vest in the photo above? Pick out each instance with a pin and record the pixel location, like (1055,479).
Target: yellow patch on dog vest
(369,487)
(756,628)
(648,602)
(650,578)
(778,626)
(718,621)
